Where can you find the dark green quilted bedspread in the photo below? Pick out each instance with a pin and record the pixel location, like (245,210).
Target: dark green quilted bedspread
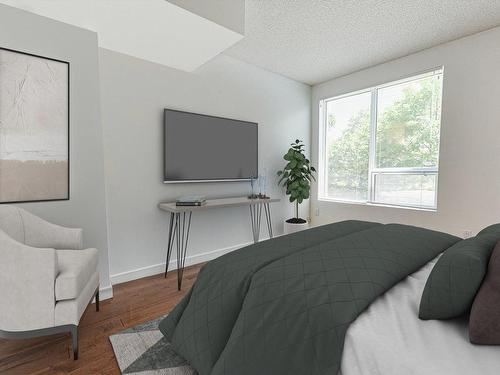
(283,306)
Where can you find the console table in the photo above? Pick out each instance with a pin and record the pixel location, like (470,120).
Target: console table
(180,224)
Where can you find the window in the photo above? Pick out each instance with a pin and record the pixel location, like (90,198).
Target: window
(381,145)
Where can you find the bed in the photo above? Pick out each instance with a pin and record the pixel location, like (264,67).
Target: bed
(389,339)
(340,298)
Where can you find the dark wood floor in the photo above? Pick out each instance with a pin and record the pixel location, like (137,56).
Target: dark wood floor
(133,303)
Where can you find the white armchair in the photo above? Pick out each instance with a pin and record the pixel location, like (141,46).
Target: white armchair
(46,278)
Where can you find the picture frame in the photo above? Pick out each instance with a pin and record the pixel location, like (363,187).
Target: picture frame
(34,128)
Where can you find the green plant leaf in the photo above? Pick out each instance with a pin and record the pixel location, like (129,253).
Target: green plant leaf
(289,155)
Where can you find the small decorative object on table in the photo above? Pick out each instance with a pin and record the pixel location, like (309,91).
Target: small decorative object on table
(296,178)
(258,196)
(262,183)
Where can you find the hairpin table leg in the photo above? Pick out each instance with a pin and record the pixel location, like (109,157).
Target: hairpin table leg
(183,225)
(171,236)
(255,218)
(267,209)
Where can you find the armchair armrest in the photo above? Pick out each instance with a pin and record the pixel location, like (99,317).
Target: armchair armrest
(41,233)
(27,279)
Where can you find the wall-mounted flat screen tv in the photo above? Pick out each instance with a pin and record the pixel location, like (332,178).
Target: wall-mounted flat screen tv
(201,148)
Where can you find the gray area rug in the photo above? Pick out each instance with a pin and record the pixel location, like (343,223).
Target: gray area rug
(144,350)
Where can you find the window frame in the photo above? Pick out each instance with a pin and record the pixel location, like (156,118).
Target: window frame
(373,170)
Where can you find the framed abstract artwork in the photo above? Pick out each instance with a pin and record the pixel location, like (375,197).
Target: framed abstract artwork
(34,128)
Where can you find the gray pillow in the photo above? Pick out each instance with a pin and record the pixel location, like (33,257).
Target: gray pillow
(492,229)
(484,321)
(457,276)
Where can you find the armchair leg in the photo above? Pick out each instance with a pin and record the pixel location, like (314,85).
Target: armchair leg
(74,339)
(97,300)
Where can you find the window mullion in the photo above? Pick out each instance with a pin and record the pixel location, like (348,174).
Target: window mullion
(416,170)
(325,148)
(373,145)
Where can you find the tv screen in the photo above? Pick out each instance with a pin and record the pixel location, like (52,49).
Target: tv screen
(208,148)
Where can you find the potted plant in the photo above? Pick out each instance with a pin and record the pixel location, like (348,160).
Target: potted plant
(296,178)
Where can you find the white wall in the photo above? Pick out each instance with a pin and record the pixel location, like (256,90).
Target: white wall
(469,168)
(134,94)
(23,31)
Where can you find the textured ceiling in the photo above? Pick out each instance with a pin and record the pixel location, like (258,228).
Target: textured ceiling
(315,40)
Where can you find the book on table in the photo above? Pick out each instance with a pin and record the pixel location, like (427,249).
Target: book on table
(191,200)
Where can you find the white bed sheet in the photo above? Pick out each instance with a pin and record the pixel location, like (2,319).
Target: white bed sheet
(390,339)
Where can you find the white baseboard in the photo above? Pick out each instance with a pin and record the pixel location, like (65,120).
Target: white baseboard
(106,293)
(160,268)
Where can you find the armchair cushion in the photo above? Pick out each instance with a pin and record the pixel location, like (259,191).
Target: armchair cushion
(75,270)
(71,310)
